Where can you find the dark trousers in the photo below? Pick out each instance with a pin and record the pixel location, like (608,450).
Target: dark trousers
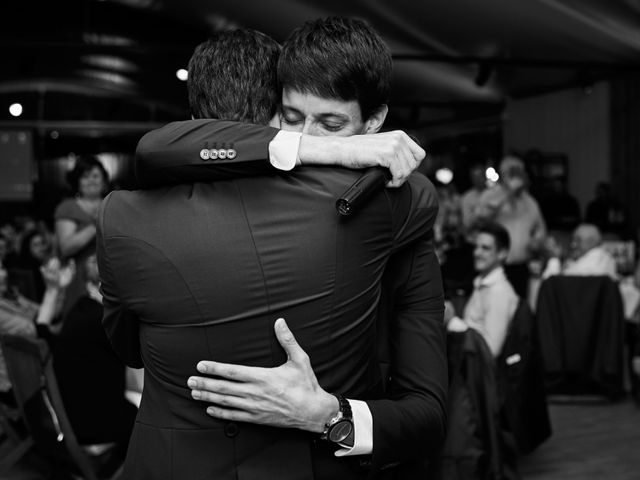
(518,276)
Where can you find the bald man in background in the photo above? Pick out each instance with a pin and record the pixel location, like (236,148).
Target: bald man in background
(587,256)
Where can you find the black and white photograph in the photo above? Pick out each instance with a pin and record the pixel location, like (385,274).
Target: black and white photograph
(320,240)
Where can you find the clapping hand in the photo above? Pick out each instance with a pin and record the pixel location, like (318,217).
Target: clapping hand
(552,247)
(57,276)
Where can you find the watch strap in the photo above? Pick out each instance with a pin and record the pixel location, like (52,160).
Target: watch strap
(344,414)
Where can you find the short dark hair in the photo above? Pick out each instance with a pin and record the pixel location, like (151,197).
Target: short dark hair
(232,76)
(84,164)
(25,247)
(498,232)
(339,58)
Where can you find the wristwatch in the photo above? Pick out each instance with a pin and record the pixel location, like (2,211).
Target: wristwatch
(339,427)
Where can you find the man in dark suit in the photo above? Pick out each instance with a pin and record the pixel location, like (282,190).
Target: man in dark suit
(248,248)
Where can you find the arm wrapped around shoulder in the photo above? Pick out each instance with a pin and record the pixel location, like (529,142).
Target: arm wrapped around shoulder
(202,151)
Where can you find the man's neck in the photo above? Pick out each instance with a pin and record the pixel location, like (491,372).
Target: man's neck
(486,273)
(585,253)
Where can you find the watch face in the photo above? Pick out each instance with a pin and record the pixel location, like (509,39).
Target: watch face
(340,431)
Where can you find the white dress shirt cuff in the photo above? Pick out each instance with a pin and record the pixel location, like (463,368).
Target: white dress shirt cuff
(362,429)
(283,150)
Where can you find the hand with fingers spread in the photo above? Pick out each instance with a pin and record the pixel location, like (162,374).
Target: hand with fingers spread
(57,276)
(284,396)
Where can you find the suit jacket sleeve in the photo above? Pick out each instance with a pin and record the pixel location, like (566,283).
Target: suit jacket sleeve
(172,154)
(121,325)
(414,208)
(409,423)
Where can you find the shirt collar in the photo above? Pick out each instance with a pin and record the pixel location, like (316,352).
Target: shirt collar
(495,276)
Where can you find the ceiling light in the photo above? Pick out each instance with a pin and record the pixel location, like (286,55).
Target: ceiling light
(182,74)
(492,175)
(110,62)
(15,109)
(444,176)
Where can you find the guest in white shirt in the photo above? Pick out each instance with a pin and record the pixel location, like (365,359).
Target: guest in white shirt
(587,257)
(493,301)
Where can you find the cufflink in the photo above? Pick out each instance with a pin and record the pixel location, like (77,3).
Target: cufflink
(204,154)
(213,154)
(231,153)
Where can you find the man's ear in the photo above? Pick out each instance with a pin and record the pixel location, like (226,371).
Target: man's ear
(376,119)
(502,255)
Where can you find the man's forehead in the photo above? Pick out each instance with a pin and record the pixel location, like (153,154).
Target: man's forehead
(486,240)
(310,103)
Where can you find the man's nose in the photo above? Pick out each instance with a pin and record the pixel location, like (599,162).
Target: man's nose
(311,128)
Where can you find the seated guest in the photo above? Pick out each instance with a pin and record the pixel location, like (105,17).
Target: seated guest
(587,257)
(4,252)
(493,301)
(19,316)
(35,250)
(90,376)
(10,246)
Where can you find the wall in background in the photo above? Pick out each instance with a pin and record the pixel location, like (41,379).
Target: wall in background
(571,122)
(625,145)
(16,165)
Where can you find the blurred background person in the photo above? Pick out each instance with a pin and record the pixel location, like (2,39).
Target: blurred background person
(9,250)
(470,198)
(453,250)
(560,209)
(605,211)
(4,250)
(449,219)
(35,251)
(20,316)
(75,219)
(587,257)
(85,363)
(510,204)
(493,302)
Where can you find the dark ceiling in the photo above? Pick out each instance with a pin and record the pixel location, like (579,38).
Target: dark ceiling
(109,67)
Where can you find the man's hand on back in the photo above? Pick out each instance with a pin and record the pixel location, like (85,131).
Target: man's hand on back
(284,396)
(393,150)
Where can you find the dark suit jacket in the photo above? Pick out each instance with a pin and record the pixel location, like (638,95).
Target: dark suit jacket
(203,270)
(179,152)
(521,382)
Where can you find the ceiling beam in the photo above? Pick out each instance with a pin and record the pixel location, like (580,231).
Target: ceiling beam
(519,62)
